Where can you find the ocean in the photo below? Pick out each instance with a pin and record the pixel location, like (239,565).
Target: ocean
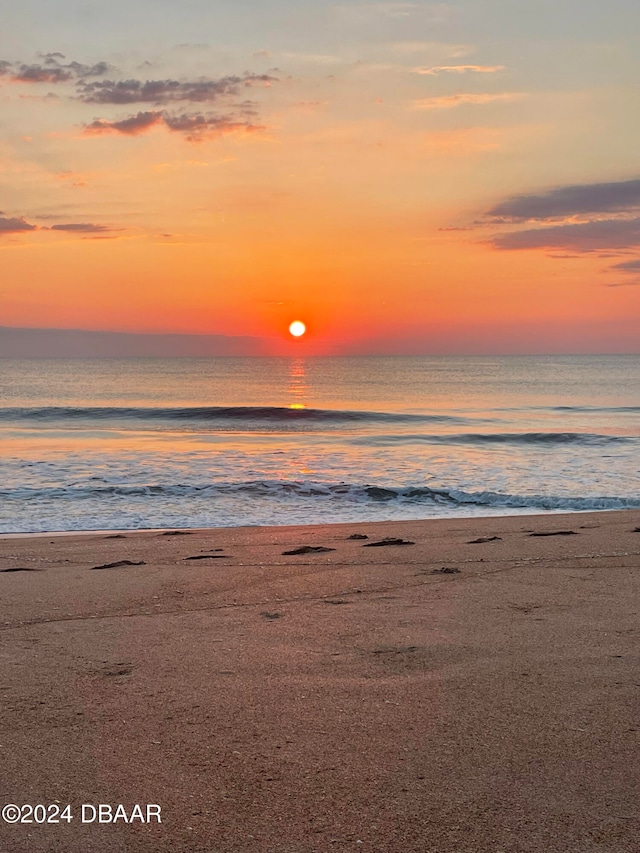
(108,444)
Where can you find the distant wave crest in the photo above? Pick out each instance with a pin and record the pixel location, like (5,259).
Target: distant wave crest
(548,439)
(211,414)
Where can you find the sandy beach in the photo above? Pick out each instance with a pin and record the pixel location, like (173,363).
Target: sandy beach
(444,696)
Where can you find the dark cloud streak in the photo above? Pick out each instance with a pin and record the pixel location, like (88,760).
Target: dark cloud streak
(195,126)
(160,92)
(51,70)
(575,200)
(578,237)
(15,225)
(628,266)
(81,228)
(131,126)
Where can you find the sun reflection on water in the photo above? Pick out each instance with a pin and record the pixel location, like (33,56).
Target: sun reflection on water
(298,388)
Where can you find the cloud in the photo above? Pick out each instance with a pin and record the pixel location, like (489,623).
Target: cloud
(634,283)
(195,126)
(51,70)
(40,74)
(18,225)
(15,225)
(160,92)
(577,237)
(447,102)
(81,228)
(199,127)
(459,69)
(574,200)
(131,126)
(628,266)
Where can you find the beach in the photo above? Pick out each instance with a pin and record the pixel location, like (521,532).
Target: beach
(448,695)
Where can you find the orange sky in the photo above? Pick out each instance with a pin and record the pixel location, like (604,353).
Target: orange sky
(410,180)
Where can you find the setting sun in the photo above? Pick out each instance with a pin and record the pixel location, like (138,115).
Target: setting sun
(297,329)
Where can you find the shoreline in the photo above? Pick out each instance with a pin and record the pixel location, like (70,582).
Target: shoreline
(468,689)
(129,531)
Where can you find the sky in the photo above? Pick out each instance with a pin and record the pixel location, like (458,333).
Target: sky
(402,177)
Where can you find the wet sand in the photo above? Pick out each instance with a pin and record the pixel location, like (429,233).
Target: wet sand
(448,695)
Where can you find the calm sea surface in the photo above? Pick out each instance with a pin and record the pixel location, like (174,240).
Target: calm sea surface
(135,443)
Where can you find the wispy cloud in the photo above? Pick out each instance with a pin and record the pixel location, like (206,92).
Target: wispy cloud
(51,70)
(160,92)
(578,237)
(448,102)
(195,127)
(635,283)
(459,69)
(579,218)
(18,225)
(82,228)
(573,200)
(628,266)
(130,126)
(14,225)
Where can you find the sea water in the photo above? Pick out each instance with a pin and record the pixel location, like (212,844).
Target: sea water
(105,444)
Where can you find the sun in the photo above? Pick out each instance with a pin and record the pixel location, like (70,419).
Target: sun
(297,329)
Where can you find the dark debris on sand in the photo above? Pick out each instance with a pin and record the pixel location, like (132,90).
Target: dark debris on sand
(307,549)
(208,557)
(554,533)
(21,569)
(120,563)
(388,541)
(484,539)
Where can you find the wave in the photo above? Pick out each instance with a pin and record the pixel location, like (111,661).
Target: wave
(254,418)
(284,490)
(592,409)
(211,414)
(524,438)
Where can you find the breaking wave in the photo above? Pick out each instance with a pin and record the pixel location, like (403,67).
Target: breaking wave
(294,491)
